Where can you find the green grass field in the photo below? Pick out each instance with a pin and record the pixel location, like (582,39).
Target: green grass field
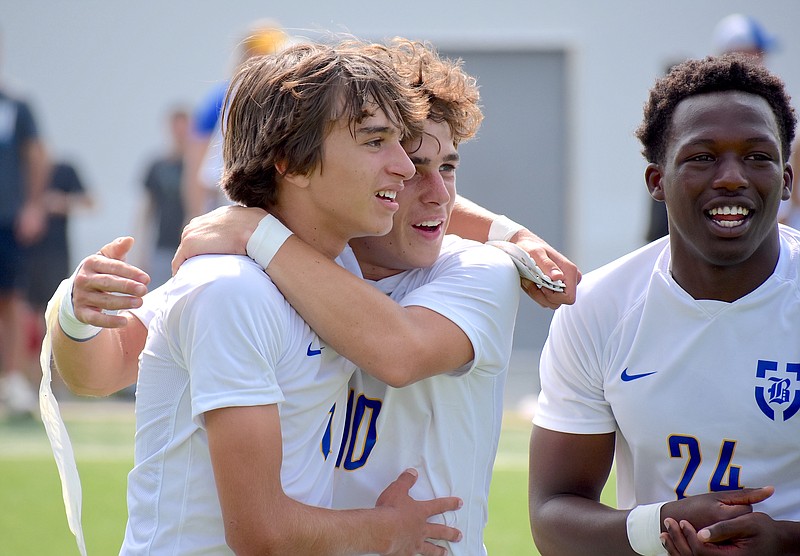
(33,521)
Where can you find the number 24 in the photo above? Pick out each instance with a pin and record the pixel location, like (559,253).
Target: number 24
(724,468)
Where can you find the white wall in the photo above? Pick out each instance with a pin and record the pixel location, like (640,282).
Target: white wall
(101,74)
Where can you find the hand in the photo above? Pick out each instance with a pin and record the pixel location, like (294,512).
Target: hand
(31,223)
(414,533)
(706,509)
(223,230)
(751,534)
(553,264)
(103,275)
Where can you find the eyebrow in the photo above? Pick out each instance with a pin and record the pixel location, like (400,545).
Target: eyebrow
(426,160)
(383,129)
(756,139)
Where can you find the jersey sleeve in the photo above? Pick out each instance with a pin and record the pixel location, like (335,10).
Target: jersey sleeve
(231,332)
(150,304)
(572,397)
(477,288)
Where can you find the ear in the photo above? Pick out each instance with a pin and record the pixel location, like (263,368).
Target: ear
(653,177)
(788,177)
(297,180)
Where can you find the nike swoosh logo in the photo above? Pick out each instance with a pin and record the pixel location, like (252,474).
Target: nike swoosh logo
(312,352)
(628,377)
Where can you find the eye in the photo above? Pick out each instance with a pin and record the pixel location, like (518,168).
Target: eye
(447,168)
(759,157)
(704,157)
(375,142)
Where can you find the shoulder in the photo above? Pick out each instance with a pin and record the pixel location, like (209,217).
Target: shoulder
(610,291)
(465,252)
(228,277)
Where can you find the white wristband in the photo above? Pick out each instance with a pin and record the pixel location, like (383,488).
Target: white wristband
(644,529)
(503,228)
(69,323)
(267,238)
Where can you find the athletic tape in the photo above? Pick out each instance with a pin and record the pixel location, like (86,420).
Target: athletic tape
(503,228)
(644,529)
(54,424)
(268,237)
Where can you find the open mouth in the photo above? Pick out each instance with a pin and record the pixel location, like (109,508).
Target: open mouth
(428,225)
(386,195)
(729,216)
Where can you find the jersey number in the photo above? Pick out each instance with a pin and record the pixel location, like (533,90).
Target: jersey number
(360,431)
(725,476)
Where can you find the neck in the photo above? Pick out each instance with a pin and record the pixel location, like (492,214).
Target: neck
(704,280)
(311,228)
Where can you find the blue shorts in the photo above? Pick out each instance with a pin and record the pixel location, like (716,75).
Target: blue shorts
(11,261)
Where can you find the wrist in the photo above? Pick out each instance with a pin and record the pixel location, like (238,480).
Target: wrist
(644,529)
(268,237)
(73,328)
(790,537)
(503,229)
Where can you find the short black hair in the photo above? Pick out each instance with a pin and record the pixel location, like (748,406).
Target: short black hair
(730,72)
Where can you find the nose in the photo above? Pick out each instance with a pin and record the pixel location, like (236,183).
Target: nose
(435,189)
(401,164)
(730,173)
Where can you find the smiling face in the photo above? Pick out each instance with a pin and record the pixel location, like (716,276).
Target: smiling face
(351,193)
(425,205)
(722,179)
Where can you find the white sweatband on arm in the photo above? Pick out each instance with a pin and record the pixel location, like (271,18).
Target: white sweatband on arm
(503,228)
(69,323)
(644,529)
(268,237)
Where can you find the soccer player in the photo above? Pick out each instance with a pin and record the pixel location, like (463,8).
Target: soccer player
(235,396)
(678,362)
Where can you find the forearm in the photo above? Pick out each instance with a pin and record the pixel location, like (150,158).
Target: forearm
(101,365)
(572,525)
(314,531)
(38,170)
(341,307)
(470,220)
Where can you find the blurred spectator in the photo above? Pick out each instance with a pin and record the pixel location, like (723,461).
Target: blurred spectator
(47,261)
(164,206)
(203,160)
(741,33)
(23,177)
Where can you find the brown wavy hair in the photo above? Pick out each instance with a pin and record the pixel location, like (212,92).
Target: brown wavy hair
(281,107)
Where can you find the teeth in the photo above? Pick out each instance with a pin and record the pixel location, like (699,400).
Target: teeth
(729,223)
(387,194)
(429,223)
(728,210)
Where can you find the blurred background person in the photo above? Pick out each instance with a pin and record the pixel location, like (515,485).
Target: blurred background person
(163,212)
(23,176)
(742,33)
(204,158)
(48,261)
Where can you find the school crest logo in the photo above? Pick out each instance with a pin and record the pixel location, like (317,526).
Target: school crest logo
(778,391)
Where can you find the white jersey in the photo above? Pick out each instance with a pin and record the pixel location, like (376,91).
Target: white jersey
(447,426)
(703,395)
(222,335)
